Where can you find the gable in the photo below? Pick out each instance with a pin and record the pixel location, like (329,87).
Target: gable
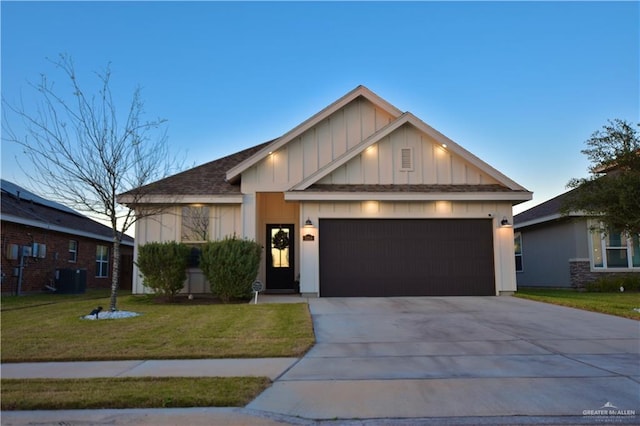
(357,94)
(408,156)
(317,147)
(361,143)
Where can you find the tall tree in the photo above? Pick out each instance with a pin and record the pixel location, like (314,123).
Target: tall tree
(612,191)
(83,152)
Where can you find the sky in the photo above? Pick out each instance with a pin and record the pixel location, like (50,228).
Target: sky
(522,85)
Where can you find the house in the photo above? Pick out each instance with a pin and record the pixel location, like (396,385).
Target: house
(360,199)
(47,246)
(556,250)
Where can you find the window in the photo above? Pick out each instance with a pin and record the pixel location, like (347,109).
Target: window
(102,261)
(517,242)
(195,223)
(73,251)
(615,250)
(195,231)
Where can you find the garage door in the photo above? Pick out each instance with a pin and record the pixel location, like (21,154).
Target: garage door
(406,257)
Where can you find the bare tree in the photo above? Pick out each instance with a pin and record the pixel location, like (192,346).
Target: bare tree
(84,153)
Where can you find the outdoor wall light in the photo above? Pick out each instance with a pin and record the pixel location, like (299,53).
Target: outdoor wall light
(308,231)
(505,222)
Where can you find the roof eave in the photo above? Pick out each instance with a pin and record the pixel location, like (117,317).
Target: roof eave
(181,199)
(548,218)
(407,196)
(63,229)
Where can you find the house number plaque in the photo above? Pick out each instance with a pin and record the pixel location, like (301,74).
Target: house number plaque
(257,287)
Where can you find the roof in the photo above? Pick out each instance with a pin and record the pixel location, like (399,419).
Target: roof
(219,180)
(206,179)
(19,205)
(407,188)
(24,194)
(544,212)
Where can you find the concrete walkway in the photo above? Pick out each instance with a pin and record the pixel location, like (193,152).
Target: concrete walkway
(258,367)
(407,361)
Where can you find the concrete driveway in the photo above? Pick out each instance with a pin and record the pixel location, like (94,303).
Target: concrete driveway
(462,357)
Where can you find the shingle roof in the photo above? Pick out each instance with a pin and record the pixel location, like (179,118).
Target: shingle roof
(547,209)
(34,209)
(408,188)
(206,179)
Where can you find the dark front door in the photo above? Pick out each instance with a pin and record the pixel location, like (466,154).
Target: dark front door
(280,258)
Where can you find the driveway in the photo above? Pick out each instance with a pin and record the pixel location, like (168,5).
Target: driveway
(461,357)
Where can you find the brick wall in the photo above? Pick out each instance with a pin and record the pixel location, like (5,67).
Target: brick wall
(581,274)
(39,272)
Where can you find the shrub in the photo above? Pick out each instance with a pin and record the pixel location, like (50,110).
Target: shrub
(612,283)
(163,266)
(231,265)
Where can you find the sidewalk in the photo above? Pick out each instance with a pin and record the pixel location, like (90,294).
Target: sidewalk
(269,367)
(260,367)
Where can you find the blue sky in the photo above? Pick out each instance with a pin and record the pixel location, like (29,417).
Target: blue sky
(522,85)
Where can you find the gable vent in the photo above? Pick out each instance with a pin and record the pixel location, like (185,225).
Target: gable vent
(406,159)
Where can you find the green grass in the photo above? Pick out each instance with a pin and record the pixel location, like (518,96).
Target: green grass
(50,328)
(619,304)
(148,392)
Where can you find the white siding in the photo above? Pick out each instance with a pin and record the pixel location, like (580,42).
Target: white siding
(224,220)
(432,164)
(317,148)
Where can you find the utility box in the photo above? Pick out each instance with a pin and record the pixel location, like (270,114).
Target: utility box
(71,281)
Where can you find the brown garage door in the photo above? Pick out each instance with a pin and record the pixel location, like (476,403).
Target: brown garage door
(406,257)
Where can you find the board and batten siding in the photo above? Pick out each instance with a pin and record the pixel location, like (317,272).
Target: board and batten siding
(430,163)
(224,220)
(315,148)
(380,163)
(502,236)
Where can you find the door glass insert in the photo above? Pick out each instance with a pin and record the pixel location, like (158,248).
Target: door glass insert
(280,248)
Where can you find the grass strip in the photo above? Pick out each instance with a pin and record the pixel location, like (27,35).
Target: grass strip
(56,331)
(147,392)
(618,304)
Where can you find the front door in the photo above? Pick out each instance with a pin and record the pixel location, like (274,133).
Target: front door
(280,258)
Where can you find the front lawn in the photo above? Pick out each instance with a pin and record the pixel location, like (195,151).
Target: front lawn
(50,328)
(619,304)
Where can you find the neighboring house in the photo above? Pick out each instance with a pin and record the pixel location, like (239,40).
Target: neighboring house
(46,245)
(360,199)
(553,250)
